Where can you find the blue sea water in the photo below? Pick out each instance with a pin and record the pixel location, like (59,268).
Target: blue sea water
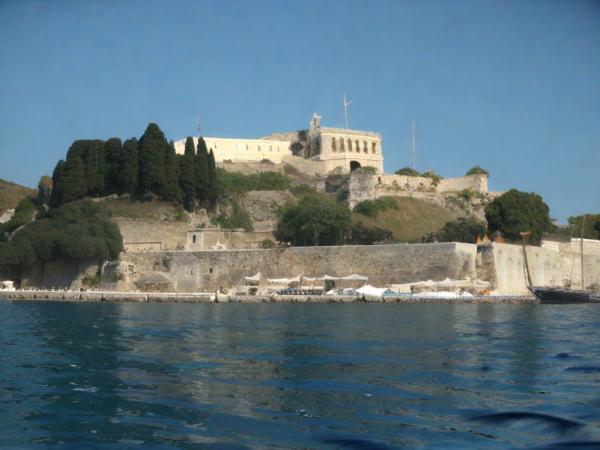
(378,376)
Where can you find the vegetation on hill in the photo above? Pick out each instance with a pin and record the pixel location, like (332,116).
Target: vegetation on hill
(237,183)
(75,231)
(409,221)
(477,170)
(24,213)
(11,194)
(516,212)
(408,171)
(461,230)
(591,226)
(143,169)
(371,208)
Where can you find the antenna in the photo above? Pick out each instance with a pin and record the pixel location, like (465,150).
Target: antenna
(414,154)
(346,104)
(197,127)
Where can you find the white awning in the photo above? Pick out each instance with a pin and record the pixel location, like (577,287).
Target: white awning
(284,280)
(255,277)
(355,277)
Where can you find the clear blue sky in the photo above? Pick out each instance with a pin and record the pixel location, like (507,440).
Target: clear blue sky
(511,85)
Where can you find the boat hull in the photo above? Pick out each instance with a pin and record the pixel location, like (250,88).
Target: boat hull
(557,296)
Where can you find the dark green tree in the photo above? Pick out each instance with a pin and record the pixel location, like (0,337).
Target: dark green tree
(44,190)
(187,177)
(315,220)
(201,165)
(516,212)
(113,149)
(69,181)
(57,184)
(152,149)
(129,167)
(477,170)
(462,230)
(171,191)
(589,226)
(213,181)
(95,167)
(408,171)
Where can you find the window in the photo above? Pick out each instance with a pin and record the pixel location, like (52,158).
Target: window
(349,145)
(342,144)
(365,147)
(373,147)
(194,239)
(247,147)
(333,145)
(270,148)
(259,148)
(210,270)
(357,146)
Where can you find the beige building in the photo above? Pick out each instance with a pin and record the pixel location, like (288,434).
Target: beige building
(226,149)
(343,148)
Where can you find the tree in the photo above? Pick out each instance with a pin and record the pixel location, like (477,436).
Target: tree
(201,165)
(408,171)
(129,167)
(590,225)
(69,181)
(477,170)
(461,230)
(113,149)
(152,148)
(516,212)
(44,190)
(94,166)
(171,191)
(316,219)
(57,182)
(213,181)
(187,177)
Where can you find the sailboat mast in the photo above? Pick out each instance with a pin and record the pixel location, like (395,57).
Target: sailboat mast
(581,251)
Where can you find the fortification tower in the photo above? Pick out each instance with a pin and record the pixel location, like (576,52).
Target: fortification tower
(343,148)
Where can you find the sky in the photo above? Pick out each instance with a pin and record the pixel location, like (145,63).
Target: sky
(513,86)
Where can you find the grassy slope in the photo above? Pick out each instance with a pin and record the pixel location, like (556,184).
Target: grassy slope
(411,221)
(11,194)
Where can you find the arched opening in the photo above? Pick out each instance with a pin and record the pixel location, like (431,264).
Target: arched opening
(354,165)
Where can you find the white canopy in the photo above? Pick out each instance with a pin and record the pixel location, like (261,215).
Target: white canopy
(255,277)
(355,277)
(329,277)
(284,280)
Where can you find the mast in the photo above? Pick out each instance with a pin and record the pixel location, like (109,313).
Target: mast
(581,251)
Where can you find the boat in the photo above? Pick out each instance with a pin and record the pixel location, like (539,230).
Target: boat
(563,295)
(557,296)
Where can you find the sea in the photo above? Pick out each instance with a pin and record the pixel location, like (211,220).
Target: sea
(299,376)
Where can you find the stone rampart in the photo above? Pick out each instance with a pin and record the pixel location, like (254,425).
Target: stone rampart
(150,235)
(206,271)
(504,265)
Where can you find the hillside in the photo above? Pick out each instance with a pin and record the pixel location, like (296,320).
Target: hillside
(11,194)
(412,220)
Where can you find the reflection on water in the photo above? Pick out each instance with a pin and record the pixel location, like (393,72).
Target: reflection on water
(299,376)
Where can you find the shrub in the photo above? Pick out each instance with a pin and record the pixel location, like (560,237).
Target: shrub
(408,171)
(237,218)
(267,243)
(461,230)
(477,170)
(316,219)
(288,169)
(371,208)
(435,178)
(24,214)
(235,182)
(364,235)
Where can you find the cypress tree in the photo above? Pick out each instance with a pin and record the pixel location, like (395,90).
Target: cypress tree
(57,184)
(171,190)
(187,177)
(213,182)
(128,167)
(95,166)
(73,185)
(201,171)
(152,152)
(112,152)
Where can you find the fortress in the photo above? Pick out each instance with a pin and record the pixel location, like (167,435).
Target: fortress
(330,148)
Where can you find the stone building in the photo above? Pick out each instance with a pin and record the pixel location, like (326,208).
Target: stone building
(226,149)
(343,148)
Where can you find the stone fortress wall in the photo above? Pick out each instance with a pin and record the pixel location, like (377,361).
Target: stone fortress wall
(368,186)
